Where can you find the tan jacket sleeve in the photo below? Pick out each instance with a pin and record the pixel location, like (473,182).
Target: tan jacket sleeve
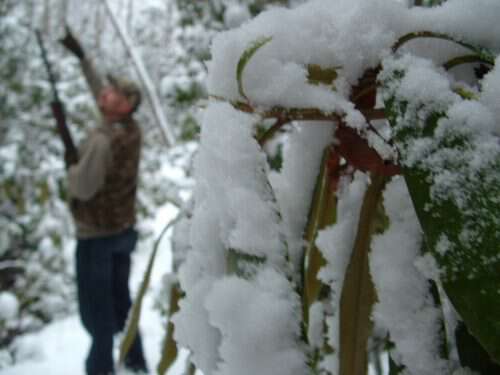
(92,77)
(87,176)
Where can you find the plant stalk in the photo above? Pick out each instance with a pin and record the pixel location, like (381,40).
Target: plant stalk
(358,292)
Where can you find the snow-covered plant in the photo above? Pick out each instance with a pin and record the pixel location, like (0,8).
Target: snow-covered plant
(194,24)
(381,229)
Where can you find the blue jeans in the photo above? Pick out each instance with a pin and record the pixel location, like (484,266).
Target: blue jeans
(102,271)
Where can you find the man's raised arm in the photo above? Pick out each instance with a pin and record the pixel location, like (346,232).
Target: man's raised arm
(74,46)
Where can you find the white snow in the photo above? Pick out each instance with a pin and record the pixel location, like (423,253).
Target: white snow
(9,306)
(453,168)
(232,185)
(259,325)
(234,210)
(352,36)
(61,347)
(405,308)
(315,334)
(293,186)
(235,15)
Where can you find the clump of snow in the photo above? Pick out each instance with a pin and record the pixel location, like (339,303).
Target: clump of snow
(232,181)
(422,87)
(259,324)
(26,348)
(351,36)
(235,209)
(180,242)
(315,333)
(457,149)
(9,306)
(277,73)
(443,245)
(336,241)
(193,329)
(294,186)
(491,92)
(405,308)
(459,18)
(235,15)
(168,85)
(428,267)
(469,123)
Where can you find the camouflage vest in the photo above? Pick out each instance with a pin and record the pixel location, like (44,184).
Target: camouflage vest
(112,208)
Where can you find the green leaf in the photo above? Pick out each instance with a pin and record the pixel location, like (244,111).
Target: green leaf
(322,213)
(394,368)
(316,74)
(466,94)
(462,235)
(472,354)
(135,312)
(245,58)
(242,264)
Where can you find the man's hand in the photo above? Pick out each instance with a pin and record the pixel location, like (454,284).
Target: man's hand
(72,44)
(70,159)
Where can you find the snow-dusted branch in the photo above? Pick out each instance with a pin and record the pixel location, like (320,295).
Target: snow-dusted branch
(165,128)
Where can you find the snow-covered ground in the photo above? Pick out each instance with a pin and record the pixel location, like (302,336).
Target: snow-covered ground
(61,347)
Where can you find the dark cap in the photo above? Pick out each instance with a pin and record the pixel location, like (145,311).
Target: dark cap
(127,87)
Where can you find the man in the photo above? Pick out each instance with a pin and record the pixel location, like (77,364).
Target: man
(102,186)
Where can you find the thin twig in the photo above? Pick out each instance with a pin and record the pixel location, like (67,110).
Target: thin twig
(164,126)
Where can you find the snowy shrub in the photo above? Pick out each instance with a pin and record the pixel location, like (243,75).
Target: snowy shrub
(34,223)
(381,228)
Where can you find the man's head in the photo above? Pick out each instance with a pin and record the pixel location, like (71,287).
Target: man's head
(119,99)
